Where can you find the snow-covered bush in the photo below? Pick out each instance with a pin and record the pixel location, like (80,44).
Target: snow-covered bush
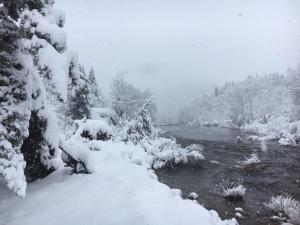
(252,160)
(127,100)
(164,152)
(287,139)
(157,151)
(195,147)
(94,130)
(138,128)
(233,190)
(285,206)
(167,152)
(77,155)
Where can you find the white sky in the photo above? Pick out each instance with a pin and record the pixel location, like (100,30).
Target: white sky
(181,48)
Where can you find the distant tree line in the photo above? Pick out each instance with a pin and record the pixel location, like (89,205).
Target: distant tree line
(253,99)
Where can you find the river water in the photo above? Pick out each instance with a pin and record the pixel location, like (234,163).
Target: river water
(278,173)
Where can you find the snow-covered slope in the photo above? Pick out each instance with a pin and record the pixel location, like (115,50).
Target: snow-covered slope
(268,105)
(119,192)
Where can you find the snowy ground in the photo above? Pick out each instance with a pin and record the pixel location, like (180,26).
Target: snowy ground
(118,192)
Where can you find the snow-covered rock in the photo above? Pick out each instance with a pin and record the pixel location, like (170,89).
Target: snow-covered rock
(239,215)
(238,209)
(193,196)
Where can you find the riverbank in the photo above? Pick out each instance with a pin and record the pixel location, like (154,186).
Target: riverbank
(276,129)
(122,190)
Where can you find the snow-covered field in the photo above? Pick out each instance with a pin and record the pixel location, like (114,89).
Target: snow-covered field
(118,192)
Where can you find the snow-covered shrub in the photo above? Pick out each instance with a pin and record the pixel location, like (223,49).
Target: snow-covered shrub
(141,127)
(167,152)
(252,138)
(285,206)
(252,160)
(287,139)
(194,147)
(233,190)
(127,99)
(94,129)
(77,155)
(164,152)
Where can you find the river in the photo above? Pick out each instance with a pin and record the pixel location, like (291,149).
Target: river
(278,173)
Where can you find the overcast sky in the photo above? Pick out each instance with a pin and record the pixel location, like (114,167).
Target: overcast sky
(181,48)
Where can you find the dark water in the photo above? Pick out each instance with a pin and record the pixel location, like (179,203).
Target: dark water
(278,172)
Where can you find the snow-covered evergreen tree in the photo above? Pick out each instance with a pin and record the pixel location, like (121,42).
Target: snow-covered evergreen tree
(40,24)
(34,94)
(97,97)
(79,92)
(14,109)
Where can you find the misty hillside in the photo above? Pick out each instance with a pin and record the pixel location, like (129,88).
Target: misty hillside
(176,98)
(267,105)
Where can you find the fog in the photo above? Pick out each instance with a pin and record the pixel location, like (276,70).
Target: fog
(182,49)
